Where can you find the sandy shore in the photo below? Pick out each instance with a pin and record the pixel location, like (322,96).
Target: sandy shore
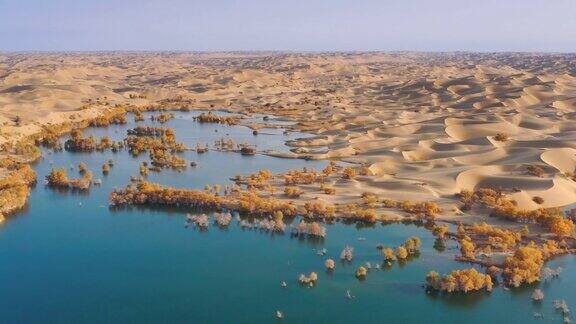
(426,125)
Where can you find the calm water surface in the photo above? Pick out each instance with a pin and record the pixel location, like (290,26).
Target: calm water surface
(69,258)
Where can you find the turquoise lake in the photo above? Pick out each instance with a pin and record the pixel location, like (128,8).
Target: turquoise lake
(68,258)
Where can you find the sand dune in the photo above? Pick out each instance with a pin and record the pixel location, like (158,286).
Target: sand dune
(424,124)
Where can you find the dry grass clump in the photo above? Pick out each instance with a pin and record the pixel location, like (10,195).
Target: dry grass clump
(465,280)
(328,190)
(210,117)
(292,192)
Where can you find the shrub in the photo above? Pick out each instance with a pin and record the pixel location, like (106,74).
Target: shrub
(501,137)
(524,266)
(347,254)
(538,200)
(292,192)
(388,254)
(465,280)
(329,264)
(467,248)
(348,173)
(361,272)
(401,253)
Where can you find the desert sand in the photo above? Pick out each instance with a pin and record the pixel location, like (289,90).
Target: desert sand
(425,124)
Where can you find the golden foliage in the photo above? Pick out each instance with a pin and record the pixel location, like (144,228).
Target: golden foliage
(388,254)
(116,116)
(327,190)
(361,272)
(401,253)
(348,173)
(13,198)
(163,159)
(58,178)
(211,117)
(467,248)
(292,192)
(318,209)
(440,231)
(465,280)
(524,266)
(163,117)
(146,193)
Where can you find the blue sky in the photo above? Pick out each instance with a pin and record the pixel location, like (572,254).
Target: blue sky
(299,25)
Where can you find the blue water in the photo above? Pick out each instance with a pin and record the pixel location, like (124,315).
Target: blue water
(68,258)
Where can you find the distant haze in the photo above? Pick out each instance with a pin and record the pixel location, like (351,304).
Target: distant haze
(297,25)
